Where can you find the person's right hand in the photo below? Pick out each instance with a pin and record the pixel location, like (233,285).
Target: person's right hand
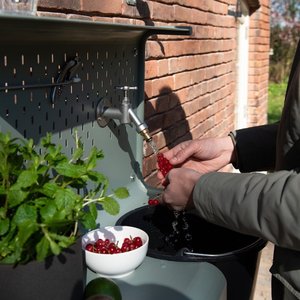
(202,155)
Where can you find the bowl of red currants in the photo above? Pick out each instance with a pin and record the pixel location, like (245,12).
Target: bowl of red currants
(115,251)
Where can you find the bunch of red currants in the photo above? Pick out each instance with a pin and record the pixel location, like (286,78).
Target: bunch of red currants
(164,167)
(108,247)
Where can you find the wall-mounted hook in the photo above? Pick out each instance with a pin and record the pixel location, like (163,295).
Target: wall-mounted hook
(67,73)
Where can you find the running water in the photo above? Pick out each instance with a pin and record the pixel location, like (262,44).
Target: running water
(153,146)
(181,233)
(180,226)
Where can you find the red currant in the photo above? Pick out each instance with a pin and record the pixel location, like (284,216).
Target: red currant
(89,247)
(153,202)
(127,240)
(164,165)
(108,247)
(138,241)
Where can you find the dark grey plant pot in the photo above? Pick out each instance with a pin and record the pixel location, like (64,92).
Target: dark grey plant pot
(57,278)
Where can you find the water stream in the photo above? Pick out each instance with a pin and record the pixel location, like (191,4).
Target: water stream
(180,226)
(153,146)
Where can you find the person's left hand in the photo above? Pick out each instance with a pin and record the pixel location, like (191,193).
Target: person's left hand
(180,184)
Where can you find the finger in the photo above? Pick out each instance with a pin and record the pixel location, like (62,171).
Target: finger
(183,152)
(160,176)
(166,181)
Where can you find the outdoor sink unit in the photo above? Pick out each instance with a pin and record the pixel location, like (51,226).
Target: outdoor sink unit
(58,76)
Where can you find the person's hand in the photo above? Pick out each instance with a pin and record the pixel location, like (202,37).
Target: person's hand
(179,188)
(202,155)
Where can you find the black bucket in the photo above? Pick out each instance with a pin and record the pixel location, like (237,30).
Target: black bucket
(235,254)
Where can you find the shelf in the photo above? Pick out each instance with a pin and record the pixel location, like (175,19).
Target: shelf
(30,29)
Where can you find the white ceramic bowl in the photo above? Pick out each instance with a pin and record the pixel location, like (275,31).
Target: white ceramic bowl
(119,264)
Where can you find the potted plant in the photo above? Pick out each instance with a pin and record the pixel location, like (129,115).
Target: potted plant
(45,198)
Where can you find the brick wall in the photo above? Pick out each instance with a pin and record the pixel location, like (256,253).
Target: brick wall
(190,82)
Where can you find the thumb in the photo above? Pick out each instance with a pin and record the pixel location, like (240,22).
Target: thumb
(184,153)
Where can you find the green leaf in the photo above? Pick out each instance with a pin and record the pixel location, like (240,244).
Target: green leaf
(4,226)
(92,159)
(77,154)
(93,210)
(97,177)
(63,241)
(15,196)
(25,215)
(26,220)
(2,213)
(70,170)
(26,231)
(42,249)
(54,247)
(67,199)
(88,221)
(26,179)
(110,205)
(121,193)
(49,189)
(48,212)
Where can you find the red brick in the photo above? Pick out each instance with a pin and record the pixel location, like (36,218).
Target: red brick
(151,69)
(103,6)
(62,4)
(162,12)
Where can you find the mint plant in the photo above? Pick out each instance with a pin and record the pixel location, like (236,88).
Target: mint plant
(46,196)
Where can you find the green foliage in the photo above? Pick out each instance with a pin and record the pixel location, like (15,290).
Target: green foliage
(285,31)
(276,100)
(40,204)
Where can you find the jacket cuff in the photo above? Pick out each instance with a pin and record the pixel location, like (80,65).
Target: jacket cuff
(232,135)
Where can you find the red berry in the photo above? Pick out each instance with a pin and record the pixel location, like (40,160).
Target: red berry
(150,201)
(138,241)
(125,248)
(153,202)
(164,165)
(103,250)
(127,240)
(108,247)
(99,243)
(89,247)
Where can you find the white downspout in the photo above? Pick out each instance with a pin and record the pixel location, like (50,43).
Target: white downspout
(242,68)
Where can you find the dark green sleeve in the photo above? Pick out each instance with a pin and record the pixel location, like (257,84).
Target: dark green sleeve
(253,203)
(256,148)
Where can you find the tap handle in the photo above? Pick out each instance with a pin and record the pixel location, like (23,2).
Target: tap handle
(126,88)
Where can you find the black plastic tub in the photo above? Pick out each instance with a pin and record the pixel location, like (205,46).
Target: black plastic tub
(186,237)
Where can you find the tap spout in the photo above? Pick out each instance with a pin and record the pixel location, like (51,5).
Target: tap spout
(105,112)
(141,127)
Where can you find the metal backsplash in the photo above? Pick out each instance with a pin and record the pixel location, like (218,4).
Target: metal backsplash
(32,112)
(91,59)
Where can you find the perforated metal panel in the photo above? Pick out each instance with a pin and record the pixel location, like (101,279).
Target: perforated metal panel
(34,51)
(30,112)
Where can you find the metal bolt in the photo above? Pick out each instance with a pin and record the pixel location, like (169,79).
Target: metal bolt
(131,2)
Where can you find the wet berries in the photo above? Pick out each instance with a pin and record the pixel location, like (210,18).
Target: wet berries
(164,165)
(108,247)
(153,202)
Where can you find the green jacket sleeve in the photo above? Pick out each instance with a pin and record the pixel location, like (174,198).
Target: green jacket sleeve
(266,206)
